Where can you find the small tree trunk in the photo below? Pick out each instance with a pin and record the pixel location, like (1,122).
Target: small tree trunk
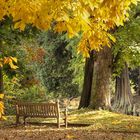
(100,92)
(123,96)
(1,81)
(1,86)
(86,93)
(138,81)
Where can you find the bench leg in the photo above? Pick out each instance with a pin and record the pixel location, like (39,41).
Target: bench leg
(66,123)
(24,119)
(17,119)
(65,119)
(58,122)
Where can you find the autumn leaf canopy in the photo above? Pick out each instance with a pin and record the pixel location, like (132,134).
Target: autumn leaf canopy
(93,18)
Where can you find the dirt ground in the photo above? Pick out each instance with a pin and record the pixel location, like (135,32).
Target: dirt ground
(36,132)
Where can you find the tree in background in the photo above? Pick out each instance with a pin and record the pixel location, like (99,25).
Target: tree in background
(20,82)
(105,60)
(135,77)
(7,37)
(126,54)
(138,89)
(57,72)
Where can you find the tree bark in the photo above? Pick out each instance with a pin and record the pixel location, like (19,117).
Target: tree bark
(123,96)
(1,82)
(86,93)
(100,91)
(138,91)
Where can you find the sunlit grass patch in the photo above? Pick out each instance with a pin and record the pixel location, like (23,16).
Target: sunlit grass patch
(105,120)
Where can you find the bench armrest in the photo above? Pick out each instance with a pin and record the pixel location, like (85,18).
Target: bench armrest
(65,114)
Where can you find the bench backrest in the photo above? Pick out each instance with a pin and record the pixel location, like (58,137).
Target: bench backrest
(50,110)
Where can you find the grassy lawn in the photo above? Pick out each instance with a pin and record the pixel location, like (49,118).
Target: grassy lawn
(105,120)
(96,120)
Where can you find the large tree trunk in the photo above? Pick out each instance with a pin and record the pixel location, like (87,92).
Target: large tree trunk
(86,93)
(123,97)
(100,92)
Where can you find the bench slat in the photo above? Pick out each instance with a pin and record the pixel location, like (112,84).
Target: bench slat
(38,110)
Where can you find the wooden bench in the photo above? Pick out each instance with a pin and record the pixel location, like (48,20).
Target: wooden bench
(41,110)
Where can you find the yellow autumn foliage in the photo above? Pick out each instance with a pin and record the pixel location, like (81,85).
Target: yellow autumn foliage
(92,17)
(10,61)
(1,95)
(1,109)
